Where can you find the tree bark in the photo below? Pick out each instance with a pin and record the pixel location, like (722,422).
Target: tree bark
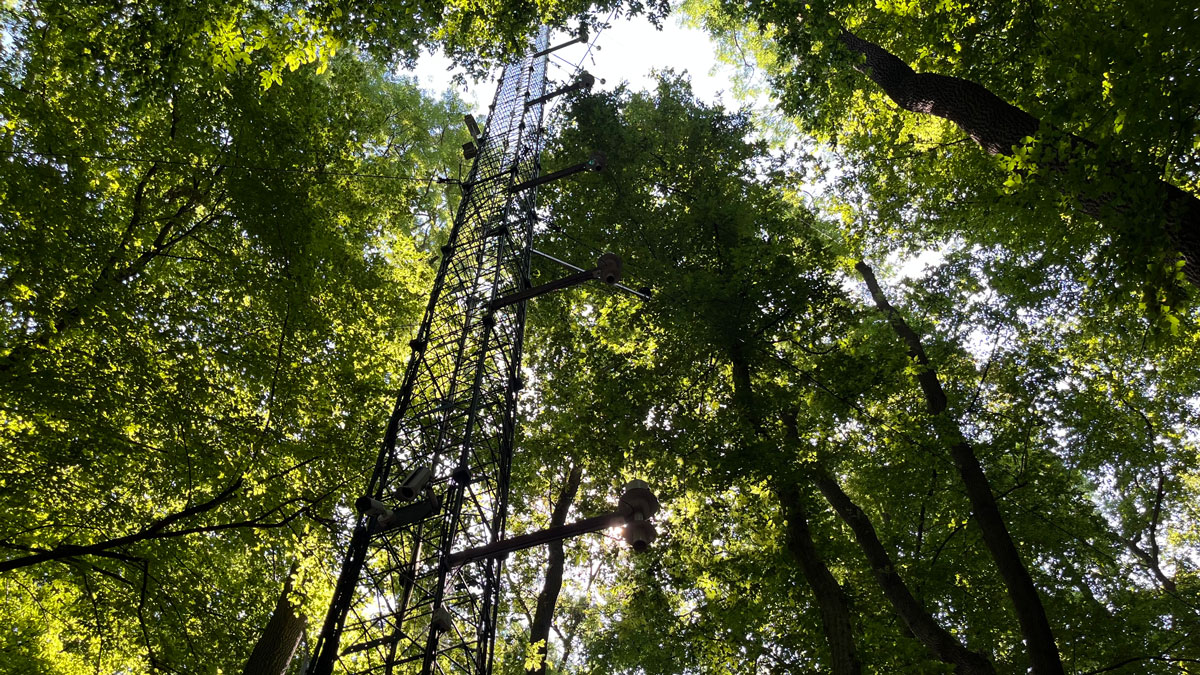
(831,601)
(543,616)
(277,646)
(936,639)
(997,126)
(989,120)
(1035,626)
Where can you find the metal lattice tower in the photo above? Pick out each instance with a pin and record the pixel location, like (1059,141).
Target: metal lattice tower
(440,485)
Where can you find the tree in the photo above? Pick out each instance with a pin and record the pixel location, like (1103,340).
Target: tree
(678,166)
(1035,627)
(726,316)
(275,649)
(209,280)
(208,289)
(1051,88)
(539,628)
(210,266)
(831,599)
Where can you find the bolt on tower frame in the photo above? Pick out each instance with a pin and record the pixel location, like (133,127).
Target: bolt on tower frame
(440,484)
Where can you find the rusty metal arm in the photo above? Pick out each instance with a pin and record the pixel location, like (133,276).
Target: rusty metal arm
(502,548)
(607,269)
(594,163)
(582,38)
(585,81)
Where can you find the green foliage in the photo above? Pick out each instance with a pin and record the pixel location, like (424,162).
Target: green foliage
(682,201)
(271,40)
(215,228)
(1109,73)
(751,325)
(202,283)
(533,656)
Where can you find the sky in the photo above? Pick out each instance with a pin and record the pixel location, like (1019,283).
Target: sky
(629,50)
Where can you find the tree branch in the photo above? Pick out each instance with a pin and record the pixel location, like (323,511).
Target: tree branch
(998,126)
(152,531)
(944,646)
(1136,659)
(539,629)
(831,600)
(935,397)
(1031,614)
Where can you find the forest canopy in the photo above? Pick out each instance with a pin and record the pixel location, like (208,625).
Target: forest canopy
(219,223)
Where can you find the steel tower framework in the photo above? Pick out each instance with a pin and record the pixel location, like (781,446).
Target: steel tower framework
(440,484)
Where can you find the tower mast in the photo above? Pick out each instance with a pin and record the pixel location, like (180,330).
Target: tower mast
(440,483)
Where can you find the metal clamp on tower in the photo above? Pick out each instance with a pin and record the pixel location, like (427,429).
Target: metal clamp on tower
(386,518)
(607,269)
(471,148)
(595,162)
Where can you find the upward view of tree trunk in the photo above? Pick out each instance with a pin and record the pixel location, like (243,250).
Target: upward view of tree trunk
(543,617)
(997,126)
(990,121)
(831,600)
(1035,626)
(834,610)
(936,639)
(280,639)
(836,618)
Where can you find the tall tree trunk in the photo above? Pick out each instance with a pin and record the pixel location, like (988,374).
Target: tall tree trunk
(936,639)
(1035,627)
(991,121)
(543,616)
(831,601)
(281,638)
(997,126)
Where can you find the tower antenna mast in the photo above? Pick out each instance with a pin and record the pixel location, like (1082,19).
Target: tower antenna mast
(404,601)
